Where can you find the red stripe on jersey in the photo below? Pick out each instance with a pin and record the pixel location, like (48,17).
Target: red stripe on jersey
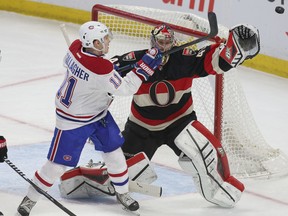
(208,66)
(47,184)
(55,145)
(80,117)
(178,85)
(157,122)
(118,174)
(96,64)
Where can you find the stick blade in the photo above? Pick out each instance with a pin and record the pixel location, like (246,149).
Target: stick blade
(213,24)
(144,188)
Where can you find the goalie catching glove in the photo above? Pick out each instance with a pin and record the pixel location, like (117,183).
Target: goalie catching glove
(243,43)
(149,62)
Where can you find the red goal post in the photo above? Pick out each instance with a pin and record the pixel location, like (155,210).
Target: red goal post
(220,104)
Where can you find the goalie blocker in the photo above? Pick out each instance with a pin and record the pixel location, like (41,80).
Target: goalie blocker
(204,157)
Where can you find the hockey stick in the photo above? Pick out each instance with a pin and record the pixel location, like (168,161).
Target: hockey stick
(144,188)
(38,189)
(213,32)
(65,34)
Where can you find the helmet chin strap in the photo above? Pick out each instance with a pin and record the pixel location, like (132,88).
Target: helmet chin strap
(100,50)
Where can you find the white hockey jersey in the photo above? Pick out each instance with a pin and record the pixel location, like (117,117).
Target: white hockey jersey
(87,89)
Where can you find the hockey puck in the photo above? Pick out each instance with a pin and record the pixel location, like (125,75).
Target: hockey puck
(279,10)
(1,214)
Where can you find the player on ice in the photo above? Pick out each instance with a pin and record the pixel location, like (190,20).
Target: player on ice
(162,109)
(82,103)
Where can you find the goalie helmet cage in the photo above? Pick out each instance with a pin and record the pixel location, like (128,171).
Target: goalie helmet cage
(219,101)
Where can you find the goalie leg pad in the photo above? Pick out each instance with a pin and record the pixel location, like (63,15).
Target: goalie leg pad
(140,169)
(86,181)
(204,158)
(93,180)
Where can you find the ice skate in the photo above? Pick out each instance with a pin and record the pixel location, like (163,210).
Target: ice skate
(128,203)
(25,206)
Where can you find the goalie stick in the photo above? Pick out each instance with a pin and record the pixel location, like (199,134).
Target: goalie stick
(213,32)
(144,188)
(39,190)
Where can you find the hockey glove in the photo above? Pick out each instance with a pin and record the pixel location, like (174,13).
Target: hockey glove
(3,149)
(243,43)
(149,62)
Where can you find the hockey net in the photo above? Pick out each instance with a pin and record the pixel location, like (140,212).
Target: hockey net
(219,101)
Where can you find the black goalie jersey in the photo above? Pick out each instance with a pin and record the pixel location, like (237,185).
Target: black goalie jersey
(166,96)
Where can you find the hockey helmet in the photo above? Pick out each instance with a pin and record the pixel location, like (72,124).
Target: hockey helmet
(91,31)
(162,37)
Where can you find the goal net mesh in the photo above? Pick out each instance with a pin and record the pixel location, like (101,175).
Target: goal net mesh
(248,153)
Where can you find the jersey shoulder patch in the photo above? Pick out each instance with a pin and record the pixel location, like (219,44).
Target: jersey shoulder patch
(129,57)
(188,52)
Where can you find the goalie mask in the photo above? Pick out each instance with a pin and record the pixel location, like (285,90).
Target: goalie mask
(162,37)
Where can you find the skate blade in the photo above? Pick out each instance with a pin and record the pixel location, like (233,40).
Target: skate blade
(135,213)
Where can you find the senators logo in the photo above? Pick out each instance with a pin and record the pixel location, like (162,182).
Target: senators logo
(171,93)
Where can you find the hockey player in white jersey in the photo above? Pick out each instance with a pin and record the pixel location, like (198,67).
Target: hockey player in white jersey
(82,103)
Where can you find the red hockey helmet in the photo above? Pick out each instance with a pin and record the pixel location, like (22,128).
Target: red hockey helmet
(162,37)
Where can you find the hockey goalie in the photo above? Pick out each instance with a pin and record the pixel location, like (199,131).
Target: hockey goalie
(202,156)
(92,179)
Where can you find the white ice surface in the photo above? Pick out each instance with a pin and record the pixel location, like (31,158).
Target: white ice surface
(30,73)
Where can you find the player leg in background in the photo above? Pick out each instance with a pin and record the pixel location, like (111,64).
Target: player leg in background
(65,150)
(108,139)
(205,159)
(139,139)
